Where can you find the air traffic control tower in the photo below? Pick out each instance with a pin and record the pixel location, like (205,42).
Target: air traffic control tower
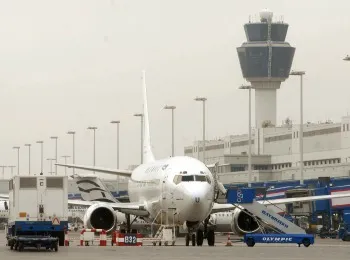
(266,61)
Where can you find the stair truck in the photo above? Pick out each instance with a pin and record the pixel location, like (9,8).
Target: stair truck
(38,212)
(288,232)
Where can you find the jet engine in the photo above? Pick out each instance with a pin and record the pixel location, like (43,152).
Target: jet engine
(100,216)
(243,223)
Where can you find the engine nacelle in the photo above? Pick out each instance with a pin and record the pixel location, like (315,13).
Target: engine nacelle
(243,223)
(100,216)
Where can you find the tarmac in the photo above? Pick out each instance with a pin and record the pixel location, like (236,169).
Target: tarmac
(322,249)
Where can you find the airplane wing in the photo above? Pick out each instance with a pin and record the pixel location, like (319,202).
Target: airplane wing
(226,206)
(133,208)
(4,196)
(222,207)
(123,173)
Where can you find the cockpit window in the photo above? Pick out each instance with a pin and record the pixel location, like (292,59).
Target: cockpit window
(188,178)
(201,178)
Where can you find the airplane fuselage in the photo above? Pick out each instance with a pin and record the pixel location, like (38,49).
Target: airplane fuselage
(182,184)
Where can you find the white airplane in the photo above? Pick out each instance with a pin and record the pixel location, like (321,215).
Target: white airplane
(183,184)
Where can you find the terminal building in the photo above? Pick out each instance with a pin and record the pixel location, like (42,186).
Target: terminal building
(266,61)
(275,152)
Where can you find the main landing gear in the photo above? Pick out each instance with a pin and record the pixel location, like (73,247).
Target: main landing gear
(128,224)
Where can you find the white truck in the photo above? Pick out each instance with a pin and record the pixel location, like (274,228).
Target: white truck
(38,211)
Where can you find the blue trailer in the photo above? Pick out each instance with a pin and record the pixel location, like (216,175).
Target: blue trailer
(305,239)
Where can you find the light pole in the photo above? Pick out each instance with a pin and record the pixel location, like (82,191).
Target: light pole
(117,122)
(3,171)
(73,134)
(50,159)
(301,133)
(94,129)
(29,156)
(55,138)
(42,155)
(11,167)
(65,162)
(141,116)
(249,135)
(203,99)
(172,127)
(17,147)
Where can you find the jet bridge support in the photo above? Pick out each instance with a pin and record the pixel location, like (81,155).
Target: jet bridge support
(245,199)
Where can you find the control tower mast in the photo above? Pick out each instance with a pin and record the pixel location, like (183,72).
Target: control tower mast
(265,60)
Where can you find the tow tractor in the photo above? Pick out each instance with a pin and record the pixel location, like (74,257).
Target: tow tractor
(286,231)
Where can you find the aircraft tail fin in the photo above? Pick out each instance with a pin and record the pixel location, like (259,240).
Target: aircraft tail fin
(93,189)
(147,149)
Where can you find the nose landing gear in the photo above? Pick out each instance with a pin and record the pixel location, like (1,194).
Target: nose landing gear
(196,235)
(198,238)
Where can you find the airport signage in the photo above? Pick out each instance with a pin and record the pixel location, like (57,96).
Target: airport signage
(274,219)
(130,239)
(277,239)
(240,196)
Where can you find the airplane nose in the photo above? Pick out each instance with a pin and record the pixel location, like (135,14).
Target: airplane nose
(197,199)
(196,204)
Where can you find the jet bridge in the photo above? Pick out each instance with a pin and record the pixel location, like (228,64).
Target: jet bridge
(244,198)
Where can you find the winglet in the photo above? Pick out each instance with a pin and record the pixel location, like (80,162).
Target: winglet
(147,150)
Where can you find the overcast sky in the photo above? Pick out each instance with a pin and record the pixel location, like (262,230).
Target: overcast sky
(69,64)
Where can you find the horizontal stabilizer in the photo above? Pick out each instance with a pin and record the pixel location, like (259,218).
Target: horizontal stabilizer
(123,173)
(93,189)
